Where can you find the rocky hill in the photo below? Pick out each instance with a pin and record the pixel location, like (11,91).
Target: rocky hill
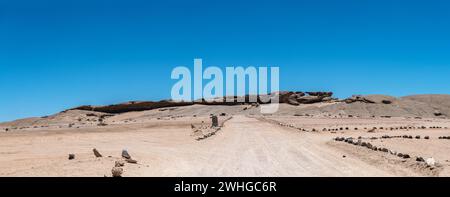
(314,104)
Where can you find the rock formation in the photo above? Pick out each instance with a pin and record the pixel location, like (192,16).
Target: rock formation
(358,98)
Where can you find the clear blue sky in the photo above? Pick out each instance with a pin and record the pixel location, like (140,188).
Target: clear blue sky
(60,54)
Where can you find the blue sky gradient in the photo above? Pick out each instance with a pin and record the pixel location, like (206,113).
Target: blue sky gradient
(60,54)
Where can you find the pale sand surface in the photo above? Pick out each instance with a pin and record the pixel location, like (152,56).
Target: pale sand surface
(247,145)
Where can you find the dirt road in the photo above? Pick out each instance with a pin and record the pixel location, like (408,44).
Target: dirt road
(249,147)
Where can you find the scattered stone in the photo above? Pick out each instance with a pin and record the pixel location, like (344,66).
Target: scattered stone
(372,130)
(131,161)
(406,156)
(418,137)
(71,156)
(427,137)
(430,162)
(437,113)
(420,159)
(119,163)
(117,171)
(96,153)
(339,139)
(125,154)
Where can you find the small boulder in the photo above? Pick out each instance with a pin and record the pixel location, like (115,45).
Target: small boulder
(117,171)
(420,159)
(132,161)
(119,164)
(96,153)
(430,162)
(387,102)
(125,154)
(71,156)
(437,113)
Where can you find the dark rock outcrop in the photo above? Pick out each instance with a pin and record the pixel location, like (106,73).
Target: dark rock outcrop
(292,98)
(358,98)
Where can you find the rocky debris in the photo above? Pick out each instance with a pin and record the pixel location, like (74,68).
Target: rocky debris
(418,137)
(71,156)
(125,154)
(96,153)
(437,113)
(132,161)
(358,98)
(406,156)
(119,164)
(102,124)
(420,159)
(427,137)
(204,131)
(368,145)
(339,139)
(392,152)
(430,162)
(117,171)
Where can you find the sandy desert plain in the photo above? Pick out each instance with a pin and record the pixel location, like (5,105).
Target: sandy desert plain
(374,135)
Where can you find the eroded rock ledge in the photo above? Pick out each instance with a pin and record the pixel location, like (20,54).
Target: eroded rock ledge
(288,97)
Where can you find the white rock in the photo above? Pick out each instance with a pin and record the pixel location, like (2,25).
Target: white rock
(430,161)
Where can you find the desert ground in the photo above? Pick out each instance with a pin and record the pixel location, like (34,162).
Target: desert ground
(179,141)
